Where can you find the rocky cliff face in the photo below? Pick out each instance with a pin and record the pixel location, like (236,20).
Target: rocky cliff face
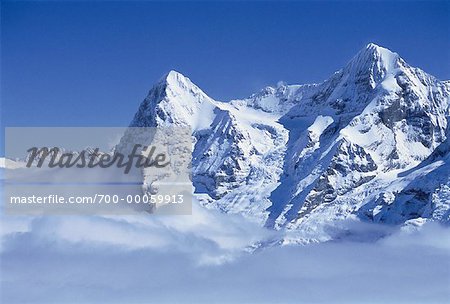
(368,143)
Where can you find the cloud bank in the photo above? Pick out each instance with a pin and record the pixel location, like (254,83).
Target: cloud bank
(205,258)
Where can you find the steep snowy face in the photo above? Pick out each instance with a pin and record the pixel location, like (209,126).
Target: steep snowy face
(238,162)
(394,116)
(387,118)
(371,65)
(406,119)
(237,149)
(221,155)
(426,194)
(299,157)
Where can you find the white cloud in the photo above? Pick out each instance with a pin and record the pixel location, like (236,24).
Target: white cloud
(200,259)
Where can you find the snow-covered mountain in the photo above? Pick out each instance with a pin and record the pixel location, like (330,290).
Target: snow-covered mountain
(370,143)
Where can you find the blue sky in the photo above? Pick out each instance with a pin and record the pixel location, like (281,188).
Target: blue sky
(92,63)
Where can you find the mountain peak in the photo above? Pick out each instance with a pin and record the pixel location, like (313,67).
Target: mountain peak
(177,83)
(373,53)
(373,46)
(372,63)
(174,77)
(175,100)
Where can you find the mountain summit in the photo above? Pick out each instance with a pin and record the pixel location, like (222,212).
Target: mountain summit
(374,62)
(373,53)
(175,100)
(367,144)
(176,79)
